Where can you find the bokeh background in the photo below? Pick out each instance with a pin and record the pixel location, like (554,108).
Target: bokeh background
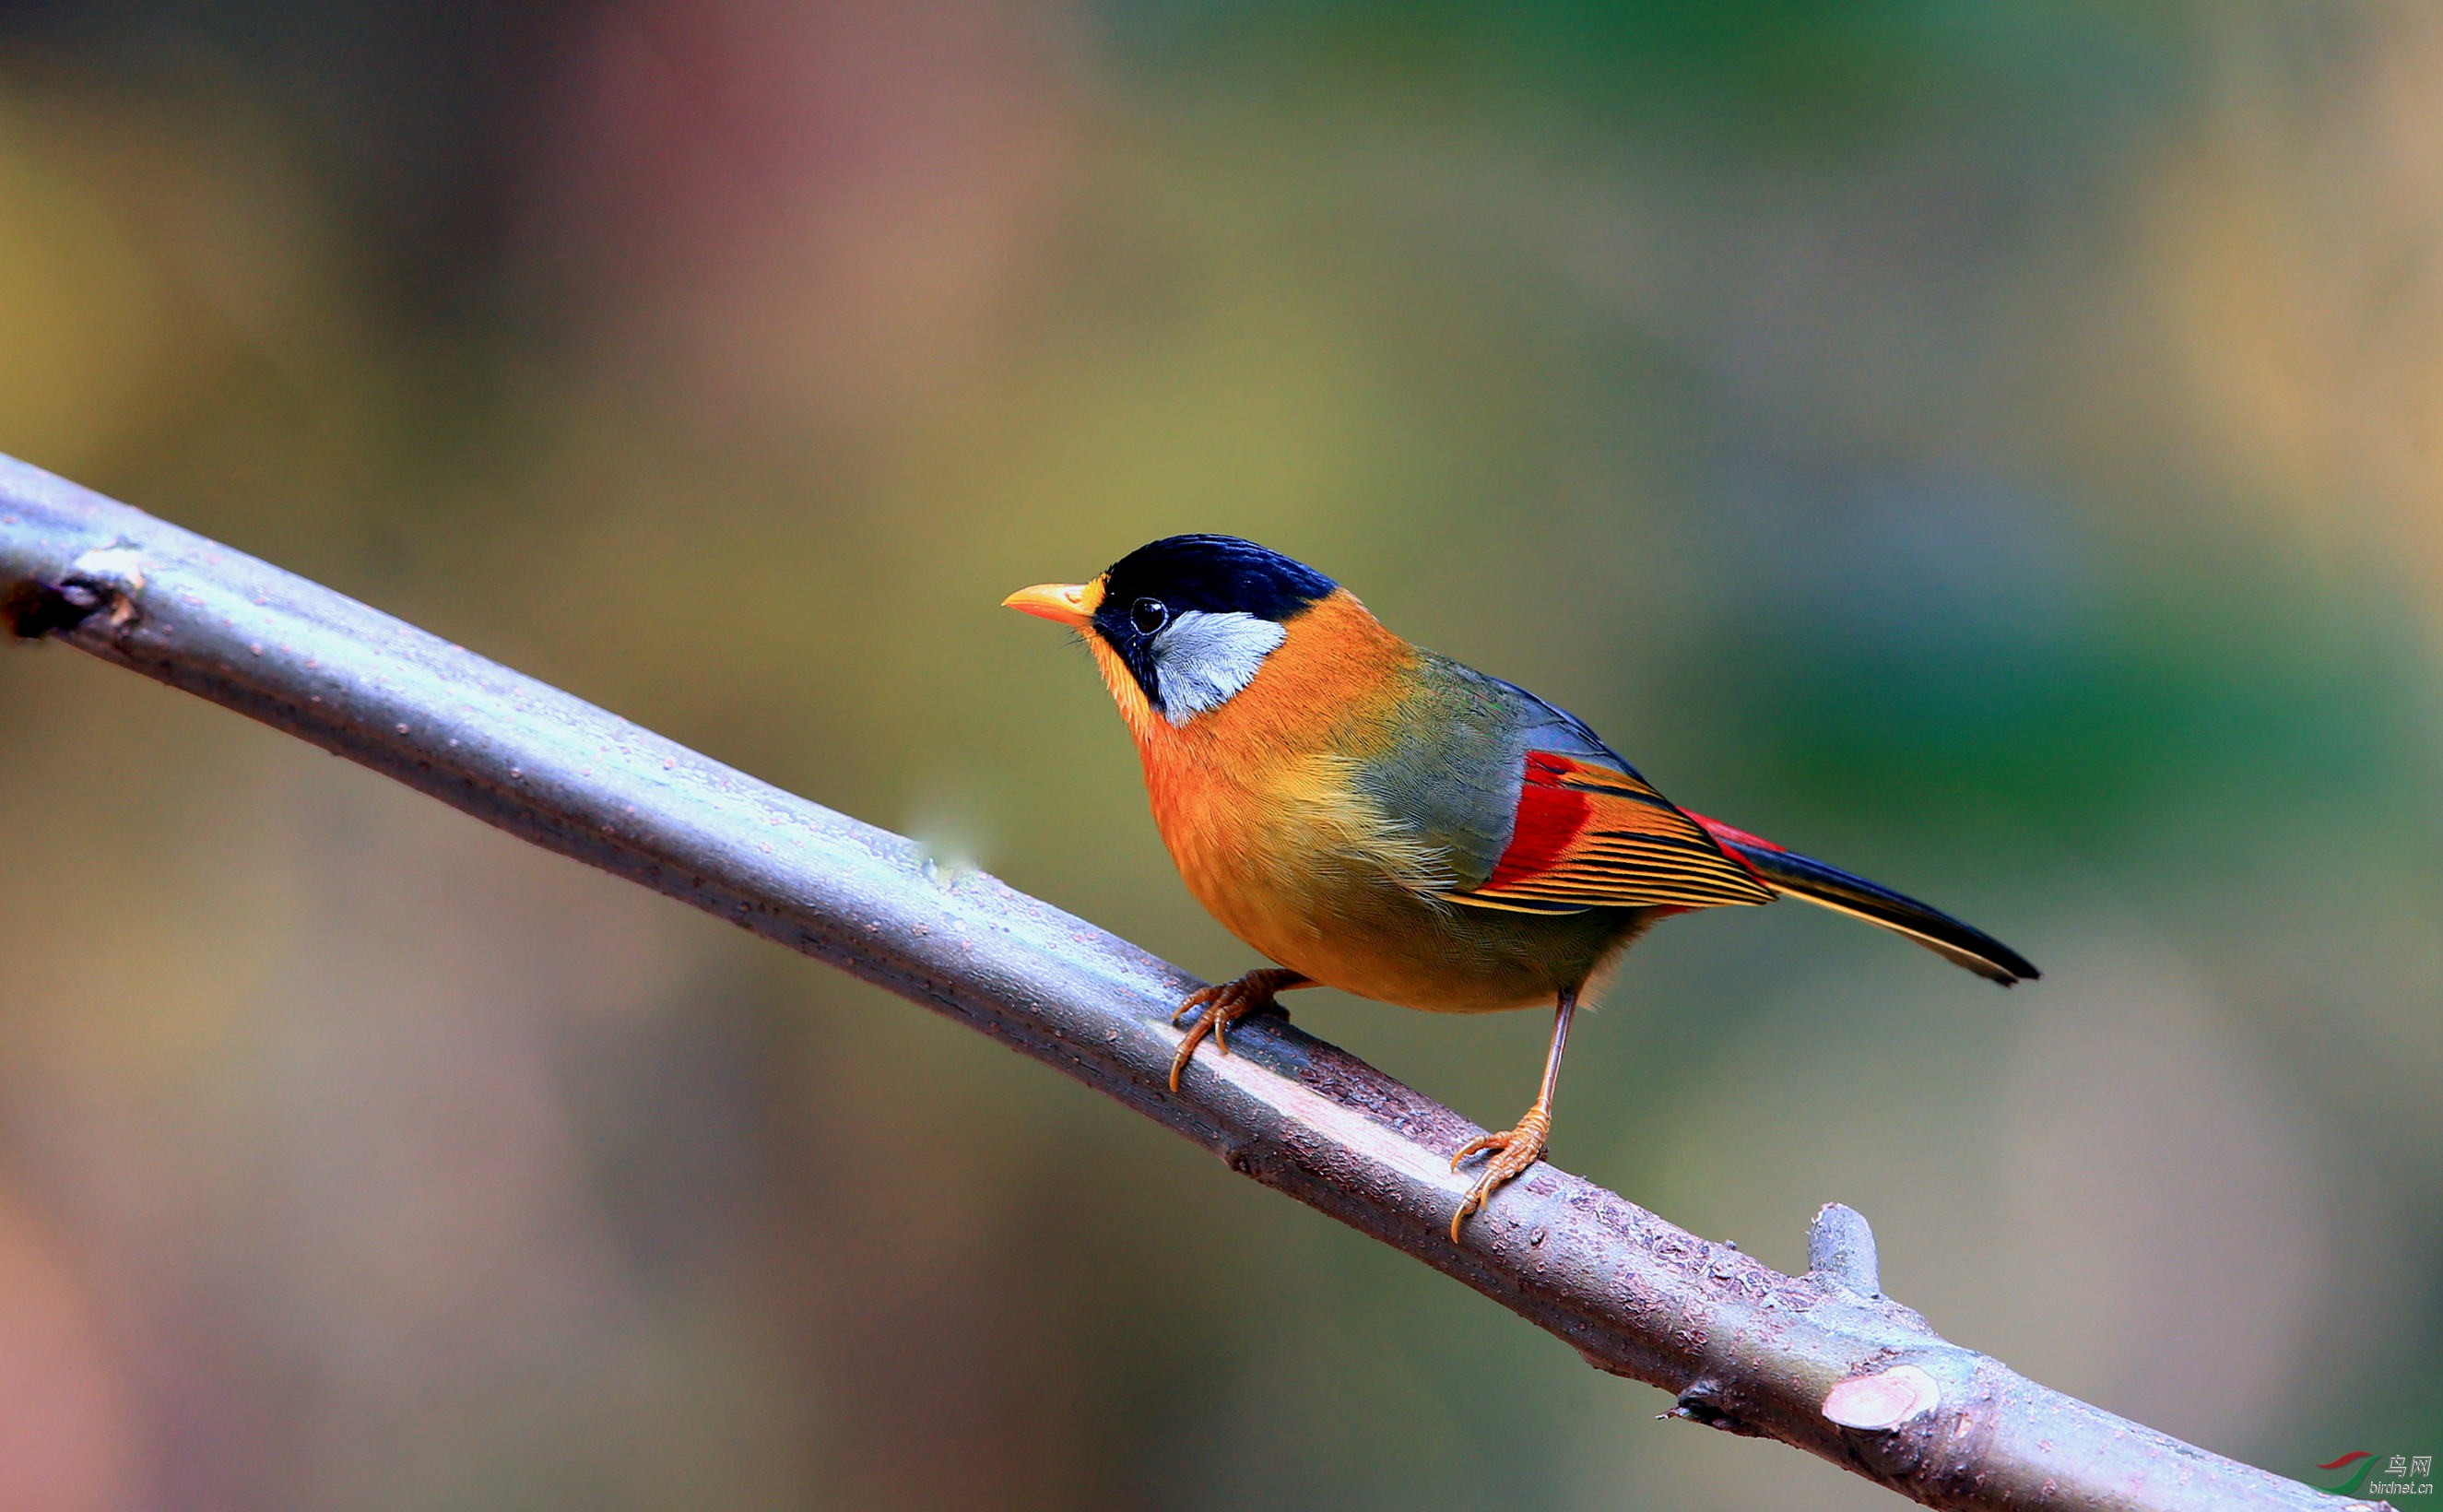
(1996,447)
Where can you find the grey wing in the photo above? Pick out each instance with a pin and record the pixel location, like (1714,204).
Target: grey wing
(1454,782)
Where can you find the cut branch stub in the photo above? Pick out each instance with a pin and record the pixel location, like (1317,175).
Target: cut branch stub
(1841,1251)
(1883,1400)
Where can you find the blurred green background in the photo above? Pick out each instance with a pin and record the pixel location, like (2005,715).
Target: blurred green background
(1999,448)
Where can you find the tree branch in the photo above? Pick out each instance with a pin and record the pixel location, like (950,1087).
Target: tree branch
(1822,1362)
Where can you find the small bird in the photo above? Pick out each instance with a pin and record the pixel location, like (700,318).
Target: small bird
(1376,817)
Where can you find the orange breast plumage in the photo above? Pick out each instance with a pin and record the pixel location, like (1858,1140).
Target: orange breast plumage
(1260,804)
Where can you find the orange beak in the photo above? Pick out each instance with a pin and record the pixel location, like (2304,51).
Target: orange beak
(1063,603)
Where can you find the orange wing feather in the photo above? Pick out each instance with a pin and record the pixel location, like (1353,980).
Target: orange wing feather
(1594,836)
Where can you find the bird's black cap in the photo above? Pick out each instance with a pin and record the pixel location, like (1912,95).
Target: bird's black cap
(1212,574)
(1144,591)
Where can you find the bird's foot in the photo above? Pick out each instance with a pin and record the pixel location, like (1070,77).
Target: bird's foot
(1513,1150)
(1225,1005)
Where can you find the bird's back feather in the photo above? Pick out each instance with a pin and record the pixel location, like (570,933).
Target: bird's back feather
(1537,814)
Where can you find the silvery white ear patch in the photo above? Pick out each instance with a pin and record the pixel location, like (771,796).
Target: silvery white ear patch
(1201,659)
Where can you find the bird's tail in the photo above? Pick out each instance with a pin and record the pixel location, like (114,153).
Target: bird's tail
(1795,876)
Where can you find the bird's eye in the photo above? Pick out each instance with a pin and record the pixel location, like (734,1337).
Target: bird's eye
(1148,614)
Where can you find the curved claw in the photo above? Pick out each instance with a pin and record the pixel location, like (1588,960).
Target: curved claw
(1225,1005)
(1480,1145)
(1513,1150)
(1215,1001)
(1469,1207)
(1196,1034)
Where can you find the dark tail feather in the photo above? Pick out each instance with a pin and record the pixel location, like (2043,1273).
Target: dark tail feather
(1795,876)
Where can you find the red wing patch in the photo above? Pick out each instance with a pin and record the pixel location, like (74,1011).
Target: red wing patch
(1592,837)
(1550,817)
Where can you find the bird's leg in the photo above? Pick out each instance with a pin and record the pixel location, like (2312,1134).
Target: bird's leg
(1225,1005)
(1514,1150)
